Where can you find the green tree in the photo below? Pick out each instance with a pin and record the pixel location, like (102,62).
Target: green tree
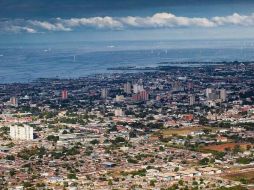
(72,176)
(110,182)
(53,138)
(95,141)
(204,161)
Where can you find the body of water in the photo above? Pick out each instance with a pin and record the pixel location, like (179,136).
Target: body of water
(23,64)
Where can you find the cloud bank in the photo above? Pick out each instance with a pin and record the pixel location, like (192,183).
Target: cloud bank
(158,20)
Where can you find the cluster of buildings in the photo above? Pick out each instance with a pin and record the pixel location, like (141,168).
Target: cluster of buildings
(177,127)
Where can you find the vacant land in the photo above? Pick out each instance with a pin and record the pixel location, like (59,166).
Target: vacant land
(243,176)
(223,147)
(184,131)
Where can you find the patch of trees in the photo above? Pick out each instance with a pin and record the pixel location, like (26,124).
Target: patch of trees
(27,153)
(53,138)
(238,187)
(244,160)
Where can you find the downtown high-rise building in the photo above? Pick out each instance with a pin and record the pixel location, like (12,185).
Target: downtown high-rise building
(137,88)
(64,94)
(141,96)
(208,91)
(104,93)
(192,100)
(223,95)
(127,88)
(14,101)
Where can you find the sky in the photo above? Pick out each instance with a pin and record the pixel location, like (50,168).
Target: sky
(53,21)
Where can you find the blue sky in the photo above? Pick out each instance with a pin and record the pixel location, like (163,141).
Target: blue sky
(32,21)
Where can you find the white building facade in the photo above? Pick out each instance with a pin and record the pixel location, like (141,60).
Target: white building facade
(24,132)
(137,88)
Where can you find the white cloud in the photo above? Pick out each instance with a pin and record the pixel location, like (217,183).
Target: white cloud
(18,29)
(165,20)
(99,22)
(235,19)
(49,26)
(29,30)
(158,20)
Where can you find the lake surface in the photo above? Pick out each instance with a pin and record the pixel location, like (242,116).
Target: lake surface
(23,64)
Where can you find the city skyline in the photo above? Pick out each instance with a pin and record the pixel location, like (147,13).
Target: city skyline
(126,94)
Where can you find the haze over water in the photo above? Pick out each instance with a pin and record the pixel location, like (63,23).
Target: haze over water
(26,62)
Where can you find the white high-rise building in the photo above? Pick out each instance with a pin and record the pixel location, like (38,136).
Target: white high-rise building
(14,101)
(127,88)
(104,93)
(208,91)
(223,94)
(137,88)
(24,132)
(192,100)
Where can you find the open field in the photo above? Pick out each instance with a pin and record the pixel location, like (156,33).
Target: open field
(184,131)
(222,147)
(243,176)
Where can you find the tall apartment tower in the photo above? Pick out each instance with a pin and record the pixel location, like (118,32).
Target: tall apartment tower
(14,101)
(190,86)
(137,88)
(21,132)
(144,95)
(223,95)
(141,96)
(208,91)
(192,100)
(64,94)
(127,88)
(104,93)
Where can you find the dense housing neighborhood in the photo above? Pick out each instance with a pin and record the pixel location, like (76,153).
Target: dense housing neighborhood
(176,127)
